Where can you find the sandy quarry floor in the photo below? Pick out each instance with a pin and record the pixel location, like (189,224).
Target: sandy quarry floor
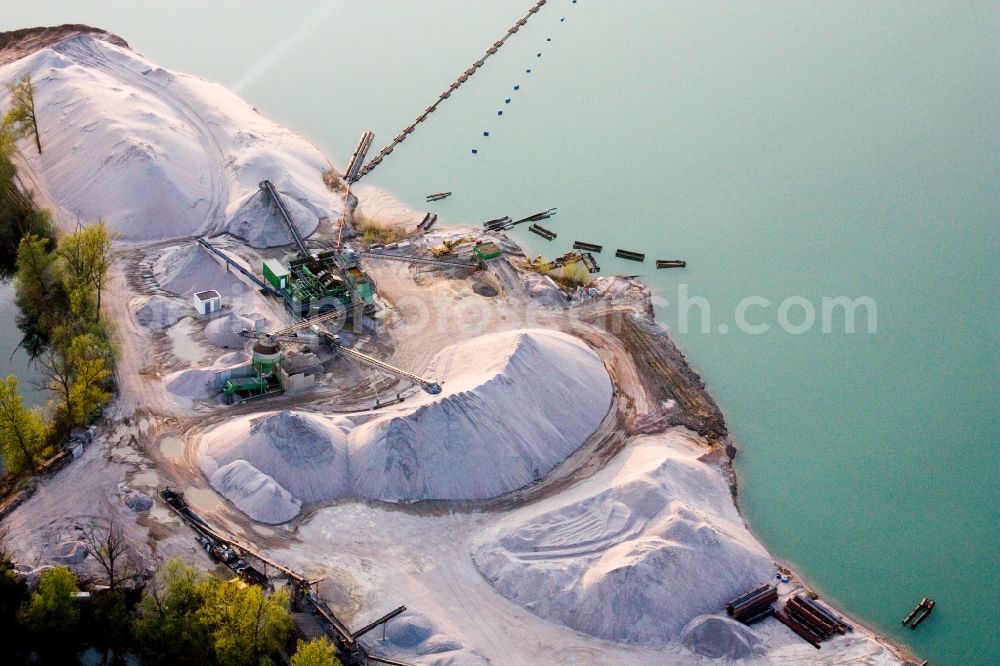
(496,577)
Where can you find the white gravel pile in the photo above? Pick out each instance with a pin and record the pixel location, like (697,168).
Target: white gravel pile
(514,405)
(257,221)
(306,455)
(192,384)
(185,269)
(157,155)
(633,553)
(160,312)
(225,331)
(254,493)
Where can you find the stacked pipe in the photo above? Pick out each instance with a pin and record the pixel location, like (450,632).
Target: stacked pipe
(753,606)
(824,612)
(793,624)
(499,224)
(816,624)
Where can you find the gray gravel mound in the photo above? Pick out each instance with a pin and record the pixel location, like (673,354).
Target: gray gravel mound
(719,637)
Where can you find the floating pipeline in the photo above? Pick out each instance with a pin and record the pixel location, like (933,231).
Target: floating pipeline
(466,74)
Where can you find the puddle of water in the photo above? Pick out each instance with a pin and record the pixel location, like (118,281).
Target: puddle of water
(202,499)
(172,447)
(183,346)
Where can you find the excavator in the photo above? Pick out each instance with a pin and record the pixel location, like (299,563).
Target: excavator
(545,265)
(447,246)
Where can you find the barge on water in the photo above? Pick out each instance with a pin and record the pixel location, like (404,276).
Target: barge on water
(630,255)
(919,613)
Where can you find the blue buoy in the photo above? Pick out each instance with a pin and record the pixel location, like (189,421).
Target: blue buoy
(486,133)
(539,55)
(475,151)
(548,39)
(528,71)
(517,87)
(562,19)
(507,101)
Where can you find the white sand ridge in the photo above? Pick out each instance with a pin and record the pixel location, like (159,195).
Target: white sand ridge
(514,405)
(160,155)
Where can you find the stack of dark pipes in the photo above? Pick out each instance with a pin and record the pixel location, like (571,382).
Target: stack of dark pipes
(809,620)
(499,224)
(753,606)
(427,222)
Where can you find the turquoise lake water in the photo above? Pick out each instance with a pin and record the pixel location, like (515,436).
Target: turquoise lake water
(785,150)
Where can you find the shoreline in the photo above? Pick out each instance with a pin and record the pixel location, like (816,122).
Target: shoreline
(724,440)
(710,421)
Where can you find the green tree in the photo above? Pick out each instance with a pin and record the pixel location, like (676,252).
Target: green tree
(317,652)
(167,625)
(18,213)
(87,257)
(22,430)
(246,625)
(90,374)
(40,295)
(51,612)
(76,371)
(12,588)
(57,368)
(21,120)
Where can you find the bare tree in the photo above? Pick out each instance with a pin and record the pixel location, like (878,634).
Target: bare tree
(110,548)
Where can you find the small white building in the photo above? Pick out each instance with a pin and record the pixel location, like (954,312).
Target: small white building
(207,302)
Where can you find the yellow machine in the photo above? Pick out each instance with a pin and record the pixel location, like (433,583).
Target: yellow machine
(447,246)
(545,265)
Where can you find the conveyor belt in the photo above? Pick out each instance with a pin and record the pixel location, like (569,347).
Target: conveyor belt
(266,186)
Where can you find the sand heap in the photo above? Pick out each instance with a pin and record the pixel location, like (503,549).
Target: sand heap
(305,454)
(514,405)
(633,553)
(185,269)
(160,312)
(225,331)
(157,155)
(256,219)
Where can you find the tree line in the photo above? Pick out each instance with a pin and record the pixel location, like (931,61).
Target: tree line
(58,287)
(183,616)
